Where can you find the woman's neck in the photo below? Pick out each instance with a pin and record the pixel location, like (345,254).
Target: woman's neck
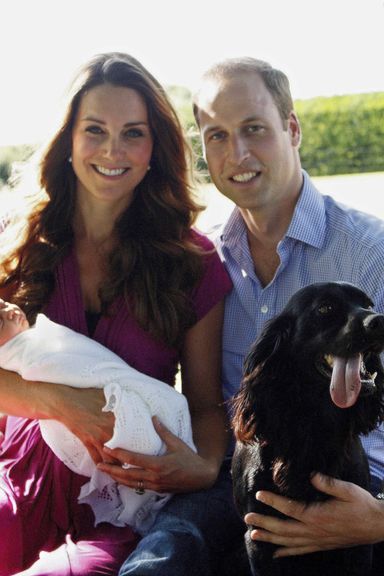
(95,228)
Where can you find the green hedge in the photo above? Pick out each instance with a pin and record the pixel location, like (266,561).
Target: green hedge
(342,134)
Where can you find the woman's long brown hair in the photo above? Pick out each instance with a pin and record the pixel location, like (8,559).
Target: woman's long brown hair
(157,262)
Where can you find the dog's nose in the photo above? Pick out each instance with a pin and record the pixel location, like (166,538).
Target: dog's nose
(374,323)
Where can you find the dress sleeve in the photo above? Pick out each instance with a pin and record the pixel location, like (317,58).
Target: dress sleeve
(215,282)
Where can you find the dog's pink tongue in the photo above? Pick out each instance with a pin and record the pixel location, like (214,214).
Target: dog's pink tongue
(345,381)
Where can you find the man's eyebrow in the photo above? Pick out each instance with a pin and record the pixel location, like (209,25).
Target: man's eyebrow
(250,119)
(218,128)
(210,129)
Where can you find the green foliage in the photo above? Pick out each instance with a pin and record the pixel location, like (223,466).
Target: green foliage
(181,98)
(342,134)
(9,157)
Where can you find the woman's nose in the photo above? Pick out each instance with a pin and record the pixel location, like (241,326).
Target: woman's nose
(113,147)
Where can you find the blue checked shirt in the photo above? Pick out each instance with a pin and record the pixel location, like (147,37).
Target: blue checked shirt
(325,241)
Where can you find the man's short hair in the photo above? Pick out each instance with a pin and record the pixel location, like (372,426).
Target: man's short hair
(275,80)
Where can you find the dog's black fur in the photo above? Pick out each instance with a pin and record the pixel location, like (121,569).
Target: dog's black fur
(287,425)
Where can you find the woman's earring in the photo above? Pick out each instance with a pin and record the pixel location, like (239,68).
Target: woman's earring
(70,159)
(149,167)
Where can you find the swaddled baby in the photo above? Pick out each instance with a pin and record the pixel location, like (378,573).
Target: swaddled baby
(50,352)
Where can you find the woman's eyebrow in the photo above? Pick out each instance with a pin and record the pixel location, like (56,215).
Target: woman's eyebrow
(127,124)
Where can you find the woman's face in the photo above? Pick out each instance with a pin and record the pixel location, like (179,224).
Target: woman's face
(111,145)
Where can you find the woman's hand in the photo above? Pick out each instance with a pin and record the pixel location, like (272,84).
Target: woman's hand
(80,410)
(351,517)
(180,469)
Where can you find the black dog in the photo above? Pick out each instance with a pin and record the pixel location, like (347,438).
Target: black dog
(313,383)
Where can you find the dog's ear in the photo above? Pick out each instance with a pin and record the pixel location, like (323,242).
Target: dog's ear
(266,370)
(272,347)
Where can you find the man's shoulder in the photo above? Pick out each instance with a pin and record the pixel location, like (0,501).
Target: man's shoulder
(363,227)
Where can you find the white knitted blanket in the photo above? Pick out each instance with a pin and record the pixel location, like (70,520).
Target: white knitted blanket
(50,352)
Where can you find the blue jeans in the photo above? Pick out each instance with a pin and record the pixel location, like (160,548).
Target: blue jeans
(191,534)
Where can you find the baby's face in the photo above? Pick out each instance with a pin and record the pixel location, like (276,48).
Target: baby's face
(12,321)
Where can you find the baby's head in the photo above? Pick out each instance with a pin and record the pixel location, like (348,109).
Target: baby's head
(12,321)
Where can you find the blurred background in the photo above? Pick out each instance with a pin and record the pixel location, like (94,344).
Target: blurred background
(332,52)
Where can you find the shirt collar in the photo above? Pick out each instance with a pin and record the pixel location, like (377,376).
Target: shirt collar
(308,222)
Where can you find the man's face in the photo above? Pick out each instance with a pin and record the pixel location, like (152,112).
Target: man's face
(12,321)
(251,153)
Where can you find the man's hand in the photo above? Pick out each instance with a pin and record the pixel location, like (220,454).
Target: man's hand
(351,517)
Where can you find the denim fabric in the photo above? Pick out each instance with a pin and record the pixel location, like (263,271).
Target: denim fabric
(191,535)
(377,487)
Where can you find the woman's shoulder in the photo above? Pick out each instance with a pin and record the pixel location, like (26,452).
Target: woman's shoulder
(215,281)
(201,240)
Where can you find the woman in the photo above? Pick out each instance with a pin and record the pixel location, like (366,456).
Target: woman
(107,248)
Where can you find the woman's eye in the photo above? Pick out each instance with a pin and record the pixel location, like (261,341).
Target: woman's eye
(133,133)
(94,130)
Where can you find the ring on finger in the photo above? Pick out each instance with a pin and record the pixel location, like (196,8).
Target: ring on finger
(140,487)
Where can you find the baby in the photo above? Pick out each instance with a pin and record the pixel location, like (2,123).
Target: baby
(50,352)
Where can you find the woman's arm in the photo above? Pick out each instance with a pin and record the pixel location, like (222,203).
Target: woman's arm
(80,410)
(181,469)
(350,518)
(201,384)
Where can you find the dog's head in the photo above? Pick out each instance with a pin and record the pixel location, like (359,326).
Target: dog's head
(326,342)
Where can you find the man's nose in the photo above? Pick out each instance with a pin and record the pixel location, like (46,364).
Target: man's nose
(238,150)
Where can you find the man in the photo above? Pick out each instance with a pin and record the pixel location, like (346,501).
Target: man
(281,236)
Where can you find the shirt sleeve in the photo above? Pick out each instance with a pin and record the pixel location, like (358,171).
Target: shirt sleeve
(215,282)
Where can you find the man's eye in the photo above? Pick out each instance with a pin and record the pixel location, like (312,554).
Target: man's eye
(217,136)
(254,129)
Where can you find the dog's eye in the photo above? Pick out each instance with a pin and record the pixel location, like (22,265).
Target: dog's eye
(325,309)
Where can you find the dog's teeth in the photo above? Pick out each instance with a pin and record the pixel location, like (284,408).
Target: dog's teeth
(370,379)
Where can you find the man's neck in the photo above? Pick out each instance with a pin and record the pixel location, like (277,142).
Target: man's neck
(269,225)
(265,229)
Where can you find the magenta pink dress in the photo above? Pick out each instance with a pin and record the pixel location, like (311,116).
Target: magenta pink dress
(44,531)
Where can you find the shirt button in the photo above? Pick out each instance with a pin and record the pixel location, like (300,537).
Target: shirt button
(264,309)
